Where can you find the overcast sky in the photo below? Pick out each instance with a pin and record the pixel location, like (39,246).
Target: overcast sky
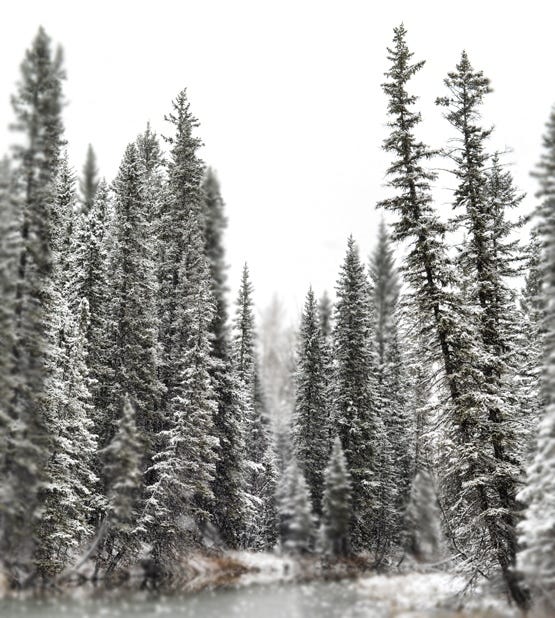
(289,100)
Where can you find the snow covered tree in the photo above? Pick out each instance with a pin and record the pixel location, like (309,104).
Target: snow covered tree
(422,528)
(487,261)
(325,311)
(122,468)
(68,496)
(180,228)
(355,414)
(229,482)
(311,416)
(337,513)
(89,181)
(396,465)
(537,531)
(37,105)
(179,500)
(133,355)
(259,462)
(295,512)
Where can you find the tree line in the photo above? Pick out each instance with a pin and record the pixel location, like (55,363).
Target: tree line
(133,417)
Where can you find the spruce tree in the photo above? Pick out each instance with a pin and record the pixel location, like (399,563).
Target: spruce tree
(336,504)
(179,500)
(89,181)
(122,457)
(70,493)
(487,261)
(37,105)
(325,311)
(355,414)
(260,465)
(537,531)
(396,466)
(229,482)
(133,354)
(311,423)
(295,512)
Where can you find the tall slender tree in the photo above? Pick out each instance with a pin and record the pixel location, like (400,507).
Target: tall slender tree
(311,423)
(89,181)
(487,260)
(356,397)
(396,467)
(37,105)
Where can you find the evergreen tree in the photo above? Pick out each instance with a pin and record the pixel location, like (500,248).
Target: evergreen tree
(229,482)
(259,461)
(336,503)
(295,512)
(396,467)
(69,495)
(37,106)
(356,397)
(89,181)
(423,535)
(180,498)
(537,531)
(122,457)
(325,311)
(180,229)
(133,352)
(311,424)
(487,260)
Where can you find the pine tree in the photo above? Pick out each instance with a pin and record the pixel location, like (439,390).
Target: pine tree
(69,495)
(180,498)
(537,531)
(122,457)
(295,512)
(336,503)
(396,467)
(229,483)
(423,534)
(356,397)
(134,351)
(325,311)
(89,182)
(311,416)
(487,260)
(180,227)
(37,106)
(259,461)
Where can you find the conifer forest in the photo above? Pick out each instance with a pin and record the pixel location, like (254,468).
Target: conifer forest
(154,430)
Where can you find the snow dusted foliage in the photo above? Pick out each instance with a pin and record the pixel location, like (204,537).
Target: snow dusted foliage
(486,261)
(231,502)
(336,504)
(260,464)
(69,492)
(37,105)
(122,469)
(179,500)
(396,464)
(133,357)
(537,532)
(179,225)
(89,181)
(355,414)
(325,313)
(295,511)
(422,536)
(311,425)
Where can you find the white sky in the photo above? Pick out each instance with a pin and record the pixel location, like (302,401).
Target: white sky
(289,99)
